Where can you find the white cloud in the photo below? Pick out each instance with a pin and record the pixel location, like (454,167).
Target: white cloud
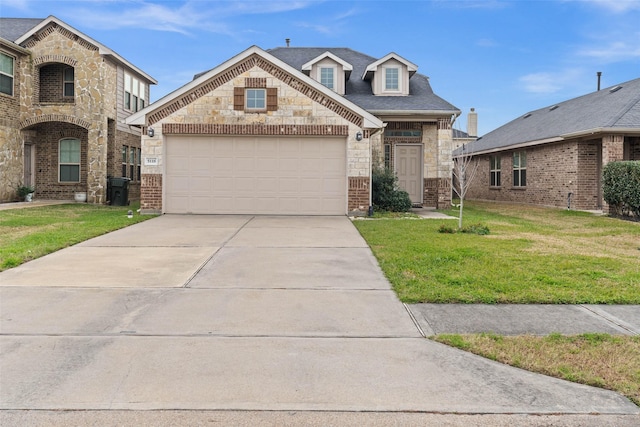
(617,6)
(550,82)
(184,18)
(614,51)
(486,42)
(21,5)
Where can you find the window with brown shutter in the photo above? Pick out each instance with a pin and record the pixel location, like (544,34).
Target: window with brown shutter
(238,98)
(272,99)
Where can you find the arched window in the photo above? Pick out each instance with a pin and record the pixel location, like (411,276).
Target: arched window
(69,160)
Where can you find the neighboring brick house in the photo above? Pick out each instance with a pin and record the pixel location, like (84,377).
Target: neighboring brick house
(295,131)
(64,98)
(548,154)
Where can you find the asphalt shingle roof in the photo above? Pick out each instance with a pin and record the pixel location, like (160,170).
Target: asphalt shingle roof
(614,107)
(359,91)
(13,28)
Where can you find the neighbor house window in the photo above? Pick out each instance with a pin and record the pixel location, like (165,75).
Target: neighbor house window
(69,160)
(495,171)
(327,77)
(6,74)
(134,93)
(68,82)
(387,156)
(519,169)
(125,156)
(391,79)
(138,157)
(132,163)
(256,99)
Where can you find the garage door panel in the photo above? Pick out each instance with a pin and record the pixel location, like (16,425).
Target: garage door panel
(200,184)
(255,175)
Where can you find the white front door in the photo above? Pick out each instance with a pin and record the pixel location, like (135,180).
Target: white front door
(408,168)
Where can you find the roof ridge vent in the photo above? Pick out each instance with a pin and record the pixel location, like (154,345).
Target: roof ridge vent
(553,108)
(615,89)
(526,115)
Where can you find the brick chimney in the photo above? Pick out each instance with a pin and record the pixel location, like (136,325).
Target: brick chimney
(472,123)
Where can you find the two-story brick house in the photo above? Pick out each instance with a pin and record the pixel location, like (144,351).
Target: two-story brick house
(295,131)
(64,97)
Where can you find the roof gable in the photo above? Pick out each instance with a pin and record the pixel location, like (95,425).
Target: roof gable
(371,68)
(345,65)
(102,49)
(254,56)
(612,109)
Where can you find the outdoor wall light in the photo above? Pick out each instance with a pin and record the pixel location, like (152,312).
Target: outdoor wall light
(150,132)
(359,136)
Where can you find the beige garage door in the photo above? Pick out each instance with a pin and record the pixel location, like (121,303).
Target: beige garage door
(255,175)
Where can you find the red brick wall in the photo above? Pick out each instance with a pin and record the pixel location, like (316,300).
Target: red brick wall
(553,170)
(151,193)
(130,140)
(50,87)
(46,143)
(358,197)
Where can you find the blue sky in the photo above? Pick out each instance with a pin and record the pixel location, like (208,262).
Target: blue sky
(502,57)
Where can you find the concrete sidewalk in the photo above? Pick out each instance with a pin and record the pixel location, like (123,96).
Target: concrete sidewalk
(240,313)
(523,319)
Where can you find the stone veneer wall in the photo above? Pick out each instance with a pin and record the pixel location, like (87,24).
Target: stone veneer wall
(301,110)
(91,108)
(11,149)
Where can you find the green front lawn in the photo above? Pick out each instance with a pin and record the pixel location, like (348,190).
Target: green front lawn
(532,255)
(29,233)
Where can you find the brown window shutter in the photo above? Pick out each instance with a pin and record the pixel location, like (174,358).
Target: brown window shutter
(272,99)
(238,98)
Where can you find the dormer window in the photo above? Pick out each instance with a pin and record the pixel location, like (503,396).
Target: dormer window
(329,70)
(327,77)
(391,79)
(389,76)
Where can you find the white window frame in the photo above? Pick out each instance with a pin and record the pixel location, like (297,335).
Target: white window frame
(125,156)
(69,163)
(495,171)
(12,75)
(66,82)
(321,77)
(519,168)
(398,87)
(251,100)
(134,94)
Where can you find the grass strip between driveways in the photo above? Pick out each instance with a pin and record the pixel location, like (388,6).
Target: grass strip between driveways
(532,255)
(600,360)
(29,233)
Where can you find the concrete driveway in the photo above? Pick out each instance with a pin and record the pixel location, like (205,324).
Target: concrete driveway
(242,313)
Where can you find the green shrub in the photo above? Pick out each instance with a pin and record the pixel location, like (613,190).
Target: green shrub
(479,229)
(446,229)
(621,187)
(386,194)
